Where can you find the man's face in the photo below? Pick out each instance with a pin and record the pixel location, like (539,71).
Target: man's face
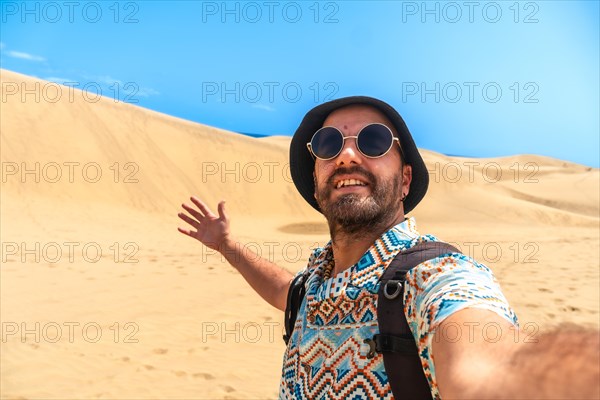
(356,192)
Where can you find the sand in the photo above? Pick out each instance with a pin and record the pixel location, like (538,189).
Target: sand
(101,297)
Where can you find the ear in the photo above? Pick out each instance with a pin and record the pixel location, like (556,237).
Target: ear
(315,184)
(406,178)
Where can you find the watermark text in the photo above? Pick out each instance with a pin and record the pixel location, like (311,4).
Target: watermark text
(489,172)
(71,252)
(470,92)
(70,91)
(268,92)
(453,12)
(52,12)
(252,12)
(69,171)
(53,332)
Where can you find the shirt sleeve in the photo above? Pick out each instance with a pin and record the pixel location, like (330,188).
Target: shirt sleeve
(442,286)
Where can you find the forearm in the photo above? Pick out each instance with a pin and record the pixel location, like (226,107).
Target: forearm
(269,280)
(478,355)
(564,363)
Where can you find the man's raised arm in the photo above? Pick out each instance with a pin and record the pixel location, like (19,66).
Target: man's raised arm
(270,281)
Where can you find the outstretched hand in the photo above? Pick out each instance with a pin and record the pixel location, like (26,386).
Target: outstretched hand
(211,230)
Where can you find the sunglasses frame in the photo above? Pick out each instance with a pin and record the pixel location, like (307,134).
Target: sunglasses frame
(394,139)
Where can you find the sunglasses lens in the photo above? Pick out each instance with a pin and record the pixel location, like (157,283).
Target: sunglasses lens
(327,143)
(375,140)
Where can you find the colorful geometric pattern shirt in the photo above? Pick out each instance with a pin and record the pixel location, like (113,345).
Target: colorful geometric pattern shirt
(326,357)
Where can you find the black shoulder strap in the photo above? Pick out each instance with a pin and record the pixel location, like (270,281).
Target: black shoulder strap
(295,295)
(395,340)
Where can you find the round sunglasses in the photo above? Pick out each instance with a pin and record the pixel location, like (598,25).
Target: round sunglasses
(373,141)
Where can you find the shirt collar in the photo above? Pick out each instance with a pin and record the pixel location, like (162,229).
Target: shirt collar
(369,269)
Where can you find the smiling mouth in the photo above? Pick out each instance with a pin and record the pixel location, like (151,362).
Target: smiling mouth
(349,182)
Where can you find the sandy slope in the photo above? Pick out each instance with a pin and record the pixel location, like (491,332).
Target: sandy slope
(175,320)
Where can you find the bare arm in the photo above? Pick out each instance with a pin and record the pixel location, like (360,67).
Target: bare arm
(270,281)
(491,359)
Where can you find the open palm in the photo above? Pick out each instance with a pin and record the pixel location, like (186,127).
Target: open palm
(210,229)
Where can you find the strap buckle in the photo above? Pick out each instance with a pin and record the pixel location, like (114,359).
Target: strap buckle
(372,347)
(390,285)
(381,343)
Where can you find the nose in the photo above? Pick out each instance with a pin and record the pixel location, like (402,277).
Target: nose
(349,153)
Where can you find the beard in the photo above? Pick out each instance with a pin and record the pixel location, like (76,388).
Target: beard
(354,215)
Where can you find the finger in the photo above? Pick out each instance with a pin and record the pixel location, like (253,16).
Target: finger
(185,232)
(195,213)
(190,221)
(203,207)
(222,213)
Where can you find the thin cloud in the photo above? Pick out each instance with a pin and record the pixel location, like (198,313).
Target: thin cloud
(125,90)
(24,56)
(107,80)
(131,88)
(147,92)
(2,45)
(58,80)
(263,107)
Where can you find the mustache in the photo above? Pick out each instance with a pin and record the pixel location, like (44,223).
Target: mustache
(355,170)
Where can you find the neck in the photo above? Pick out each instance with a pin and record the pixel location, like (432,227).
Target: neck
(348,248)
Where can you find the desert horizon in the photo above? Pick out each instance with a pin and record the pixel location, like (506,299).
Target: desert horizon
(101,297)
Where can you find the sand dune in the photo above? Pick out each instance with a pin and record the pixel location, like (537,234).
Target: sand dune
(91,247)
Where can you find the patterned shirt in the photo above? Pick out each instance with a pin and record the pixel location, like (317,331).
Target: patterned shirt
(326,357)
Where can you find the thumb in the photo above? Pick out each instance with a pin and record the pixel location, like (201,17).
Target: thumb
(222,213)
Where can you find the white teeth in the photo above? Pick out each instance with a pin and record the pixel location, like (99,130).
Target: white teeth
(349,182)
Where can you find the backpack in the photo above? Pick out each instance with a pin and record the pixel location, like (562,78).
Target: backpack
(394,340)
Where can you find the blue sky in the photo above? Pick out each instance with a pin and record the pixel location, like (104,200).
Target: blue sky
(471,78)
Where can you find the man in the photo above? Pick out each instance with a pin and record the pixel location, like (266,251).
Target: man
(354,160)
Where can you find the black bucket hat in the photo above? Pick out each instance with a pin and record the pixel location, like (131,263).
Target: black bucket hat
(302,163)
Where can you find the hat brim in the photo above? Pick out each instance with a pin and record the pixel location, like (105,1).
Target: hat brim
(302,163)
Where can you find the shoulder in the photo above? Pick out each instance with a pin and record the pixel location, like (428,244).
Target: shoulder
(446,259)
(450,282)
(451,267)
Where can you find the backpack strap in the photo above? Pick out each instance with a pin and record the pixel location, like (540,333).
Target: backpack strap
(395,340)
(296,294)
